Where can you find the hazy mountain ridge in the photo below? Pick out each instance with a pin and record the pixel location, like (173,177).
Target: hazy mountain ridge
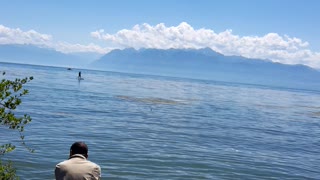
(208,64)
(31,54)
(190,63)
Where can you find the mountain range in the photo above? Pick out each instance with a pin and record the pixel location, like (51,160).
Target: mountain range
(208,64)
(188,63)
(29,54)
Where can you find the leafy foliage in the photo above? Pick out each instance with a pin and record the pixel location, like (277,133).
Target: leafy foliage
(7,172)
(11,92)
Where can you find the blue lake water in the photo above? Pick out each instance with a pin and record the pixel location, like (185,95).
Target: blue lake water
(151,127)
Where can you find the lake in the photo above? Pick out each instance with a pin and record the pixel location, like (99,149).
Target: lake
(153,127)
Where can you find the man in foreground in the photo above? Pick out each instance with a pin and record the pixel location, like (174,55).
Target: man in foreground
(77,166)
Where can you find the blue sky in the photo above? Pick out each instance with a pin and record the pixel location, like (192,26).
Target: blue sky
(108,24)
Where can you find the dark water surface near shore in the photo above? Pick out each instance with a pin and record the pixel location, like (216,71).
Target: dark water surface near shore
(150,127)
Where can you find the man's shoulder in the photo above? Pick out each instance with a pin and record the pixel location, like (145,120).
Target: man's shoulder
(93,164)
(78,161)
(62,163)
(95,168)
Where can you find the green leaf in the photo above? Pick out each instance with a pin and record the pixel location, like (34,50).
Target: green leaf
(10,93)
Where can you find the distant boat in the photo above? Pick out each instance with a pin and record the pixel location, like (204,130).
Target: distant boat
(69,69)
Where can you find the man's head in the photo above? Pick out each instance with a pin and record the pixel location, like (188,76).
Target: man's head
(79,148)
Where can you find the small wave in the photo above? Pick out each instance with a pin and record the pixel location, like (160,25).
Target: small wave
(151,100)
(315,114)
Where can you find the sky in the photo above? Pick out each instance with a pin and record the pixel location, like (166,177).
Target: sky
(285,31)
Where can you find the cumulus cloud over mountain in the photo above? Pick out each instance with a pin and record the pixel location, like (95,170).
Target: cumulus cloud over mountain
(17,36)
(283,49)
(278,48)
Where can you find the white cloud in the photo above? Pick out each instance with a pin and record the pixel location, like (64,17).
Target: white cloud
(71,48)
(17,36)
(283,49)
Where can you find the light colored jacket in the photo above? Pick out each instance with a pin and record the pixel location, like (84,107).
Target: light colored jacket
(76,168)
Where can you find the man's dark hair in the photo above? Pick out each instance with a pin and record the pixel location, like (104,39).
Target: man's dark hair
(79,148)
